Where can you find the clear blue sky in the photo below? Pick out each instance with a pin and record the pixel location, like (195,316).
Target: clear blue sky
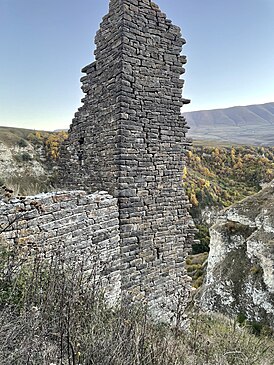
(45,43)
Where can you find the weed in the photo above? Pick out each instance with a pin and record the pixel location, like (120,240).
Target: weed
(22,157)
(60,317)
(22,143)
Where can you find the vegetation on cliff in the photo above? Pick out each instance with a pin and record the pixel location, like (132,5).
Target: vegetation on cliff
(218,176)
(221,176)
(28,159)
(215,177)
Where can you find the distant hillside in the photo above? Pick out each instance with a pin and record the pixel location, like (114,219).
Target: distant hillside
(245,125)
(218,176)
(11,136)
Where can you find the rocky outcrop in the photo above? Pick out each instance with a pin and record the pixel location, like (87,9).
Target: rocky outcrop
(240,274)
(21,161)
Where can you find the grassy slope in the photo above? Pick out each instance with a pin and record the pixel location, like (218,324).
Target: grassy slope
(10,136)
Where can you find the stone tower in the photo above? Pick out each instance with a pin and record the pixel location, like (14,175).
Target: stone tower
(129,138)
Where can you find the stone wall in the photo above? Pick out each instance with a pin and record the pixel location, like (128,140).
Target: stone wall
(80,227)
(129,138)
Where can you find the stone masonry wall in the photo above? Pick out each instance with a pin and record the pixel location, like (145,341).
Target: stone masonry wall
(81,227)
(129,138)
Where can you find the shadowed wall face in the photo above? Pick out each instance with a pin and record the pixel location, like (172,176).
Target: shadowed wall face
(129,138)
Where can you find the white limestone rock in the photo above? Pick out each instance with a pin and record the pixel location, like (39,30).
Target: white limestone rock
(12,165)
(240,273)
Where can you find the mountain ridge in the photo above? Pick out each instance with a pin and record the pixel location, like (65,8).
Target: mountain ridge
(249,125)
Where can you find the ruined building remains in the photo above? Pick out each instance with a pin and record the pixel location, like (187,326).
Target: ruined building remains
(129,139)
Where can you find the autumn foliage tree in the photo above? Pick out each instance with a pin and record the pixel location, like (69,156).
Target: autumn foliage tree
(51,141)
(220,176)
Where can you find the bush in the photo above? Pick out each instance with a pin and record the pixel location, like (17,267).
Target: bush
(51,141)
(28,184)
(23,157)
(241,318)
(204,239)
(22,143)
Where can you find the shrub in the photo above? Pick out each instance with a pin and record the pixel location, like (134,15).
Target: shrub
(241,318)
(23,157)
(50,140)
(204,239)
(256,328)
(22,143)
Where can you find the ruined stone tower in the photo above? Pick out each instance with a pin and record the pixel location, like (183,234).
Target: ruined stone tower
(129,138)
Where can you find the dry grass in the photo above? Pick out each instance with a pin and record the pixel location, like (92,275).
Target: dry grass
(11,136)
(49,315)
(27,185)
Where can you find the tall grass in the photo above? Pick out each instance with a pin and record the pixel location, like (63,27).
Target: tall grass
(27,185)
(51,312)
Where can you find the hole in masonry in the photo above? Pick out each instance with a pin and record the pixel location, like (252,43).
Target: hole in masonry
(157,253)
(80,158)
